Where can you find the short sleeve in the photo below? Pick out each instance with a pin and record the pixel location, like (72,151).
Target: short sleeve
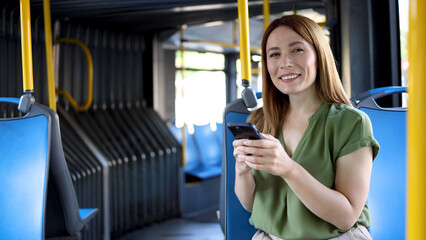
(360,134)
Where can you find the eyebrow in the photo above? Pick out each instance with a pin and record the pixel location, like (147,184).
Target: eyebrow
(295,43)
(272,49)
(290,45)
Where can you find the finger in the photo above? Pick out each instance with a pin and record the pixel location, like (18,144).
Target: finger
(241,158)
(268,136)
(254,165)
(237,143)
(243,150)
(251,143)
(238,155)
(254,159)
(270,139)
(239,151)
(268,142)
(247,150)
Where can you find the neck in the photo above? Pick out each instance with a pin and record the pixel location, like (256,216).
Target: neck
(304,104)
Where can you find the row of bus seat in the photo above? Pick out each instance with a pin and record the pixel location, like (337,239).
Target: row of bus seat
(200,176)
(87,174)
(125,161)
(122,160)
(203,156)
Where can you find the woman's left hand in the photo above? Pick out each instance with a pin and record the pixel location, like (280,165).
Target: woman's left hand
(267,155)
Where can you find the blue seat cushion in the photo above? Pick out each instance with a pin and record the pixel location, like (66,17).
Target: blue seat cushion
(24,148)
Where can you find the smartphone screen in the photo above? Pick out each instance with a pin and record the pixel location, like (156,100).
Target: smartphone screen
(244,130)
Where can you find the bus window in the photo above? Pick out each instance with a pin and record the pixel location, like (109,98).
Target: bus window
(201,93)
(403,30)
(256,75)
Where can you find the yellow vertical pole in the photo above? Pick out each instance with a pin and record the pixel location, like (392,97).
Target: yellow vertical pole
(27,58)
(49,55)
(182,69)
(265,14)
(416,209)
(234,32)
(243,22)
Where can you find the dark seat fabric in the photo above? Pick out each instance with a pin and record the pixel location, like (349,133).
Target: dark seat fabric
(62,210)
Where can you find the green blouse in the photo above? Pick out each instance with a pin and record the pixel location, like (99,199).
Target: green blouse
(333,131)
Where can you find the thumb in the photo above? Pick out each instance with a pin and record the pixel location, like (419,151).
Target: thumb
(267,136)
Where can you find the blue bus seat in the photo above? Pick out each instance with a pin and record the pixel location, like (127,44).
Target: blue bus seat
(38,196)
(176,132)
(234,218)
(203,154)
(219,133)
(24,151)
(201,198)
(192,153)
(210,148)
(87,213)
(387,196)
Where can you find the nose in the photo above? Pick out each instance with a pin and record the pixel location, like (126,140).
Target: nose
(286,62)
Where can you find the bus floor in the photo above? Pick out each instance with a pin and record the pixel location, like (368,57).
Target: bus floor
(179,229)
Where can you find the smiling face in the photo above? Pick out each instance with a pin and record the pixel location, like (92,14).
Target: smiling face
(291,62)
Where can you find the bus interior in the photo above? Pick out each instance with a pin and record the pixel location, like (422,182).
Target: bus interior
(137,103)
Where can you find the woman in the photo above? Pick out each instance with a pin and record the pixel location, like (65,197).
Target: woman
(309,177)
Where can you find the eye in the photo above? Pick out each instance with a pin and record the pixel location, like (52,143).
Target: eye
(273,54)
(298,50)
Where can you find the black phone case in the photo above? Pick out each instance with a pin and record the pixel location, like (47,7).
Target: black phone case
(244,130)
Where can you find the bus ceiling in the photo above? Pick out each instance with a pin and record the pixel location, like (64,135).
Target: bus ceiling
(153,15)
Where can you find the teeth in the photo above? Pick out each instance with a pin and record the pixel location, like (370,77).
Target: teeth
(289,77)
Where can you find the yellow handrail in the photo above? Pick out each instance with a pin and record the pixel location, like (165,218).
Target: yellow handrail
(230,45)
(265,14)
(182,70)
(244,41)
(49,55)
(27,58)
(416,206)
(89,76)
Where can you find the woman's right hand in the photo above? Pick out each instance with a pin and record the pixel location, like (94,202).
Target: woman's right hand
(244,181)
(240,166)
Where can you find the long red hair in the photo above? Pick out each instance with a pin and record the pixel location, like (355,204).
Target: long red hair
(328,85)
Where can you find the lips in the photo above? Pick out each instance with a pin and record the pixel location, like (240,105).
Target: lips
(289,77)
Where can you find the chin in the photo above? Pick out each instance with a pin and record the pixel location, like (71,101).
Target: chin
(288,90)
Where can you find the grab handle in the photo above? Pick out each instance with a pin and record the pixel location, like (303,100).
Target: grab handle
(368,98)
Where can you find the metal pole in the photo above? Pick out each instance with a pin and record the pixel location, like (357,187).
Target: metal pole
(243,22)
(27,58)
(181,93)
(265,14)
(416,206)
(49,55)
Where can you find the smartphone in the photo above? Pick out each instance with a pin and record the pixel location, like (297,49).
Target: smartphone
(244,130)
